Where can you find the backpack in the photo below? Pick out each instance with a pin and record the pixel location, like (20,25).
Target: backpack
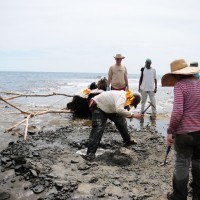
(142,73)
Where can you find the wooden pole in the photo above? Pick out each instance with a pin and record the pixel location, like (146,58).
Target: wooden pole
(32,113)
(26,129)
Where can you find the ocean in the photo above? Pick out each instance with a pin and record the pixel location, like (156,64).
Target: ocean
(50,81)
(70,83)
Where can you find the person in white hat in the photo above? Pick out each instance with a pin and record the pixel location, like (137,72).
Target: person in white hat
(117,75)
(184,128)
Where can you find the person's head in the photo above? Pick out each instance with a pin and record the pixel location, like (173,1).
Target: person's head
(118,58)
(179,70)
(132,99)
(136,101)
(148,63)
(92,86)
(102,84)
(194,64)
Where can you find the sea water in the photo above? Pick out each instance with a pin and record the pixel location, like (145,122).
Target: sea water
(71,83)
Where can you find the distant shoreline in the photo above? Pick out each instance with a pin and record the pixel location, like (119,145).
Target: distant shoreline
(99,73)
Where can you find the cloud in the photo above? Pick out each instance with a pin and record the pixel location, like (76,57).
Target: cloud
(63,35)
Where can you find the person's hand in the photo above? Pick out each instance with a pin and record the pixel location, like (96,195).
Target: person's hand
(139,90)
(138,116)
(170,139)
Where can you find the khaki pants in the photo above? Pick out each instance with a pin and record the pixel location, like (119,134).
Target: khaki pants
(151,95)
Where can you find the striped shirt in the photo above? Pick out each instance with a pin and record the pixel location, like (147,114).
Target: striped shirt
(185,117)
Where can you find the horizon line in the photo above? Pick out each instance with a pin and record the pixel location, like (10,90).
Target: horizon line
(66,72)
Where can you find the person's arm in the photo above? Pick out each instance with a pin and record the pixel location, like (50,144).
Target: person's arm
(141,78)
(155,90)
(155,81)
(177,111)
(109,78)
(122,111)
(126,80)
(170,139)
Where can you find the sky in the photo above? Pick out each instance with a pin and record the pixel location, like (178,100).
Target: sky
(84,35)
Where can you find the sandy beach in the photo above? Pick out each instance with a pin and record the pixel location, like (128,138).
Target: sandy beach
(51,51)
(49,166)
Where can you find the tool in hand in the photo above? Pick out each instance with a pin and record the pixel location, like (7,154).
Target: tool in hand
(150,104)
(165,161)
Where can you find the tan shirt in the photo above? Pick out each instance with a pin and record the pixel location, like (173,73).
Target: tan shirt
(118,74)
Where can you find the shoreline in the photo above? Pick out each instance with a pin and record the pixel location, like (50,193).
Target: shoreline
(55,139)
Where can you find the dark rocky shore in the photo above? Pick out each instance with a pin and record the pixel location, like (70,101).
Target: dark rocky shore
(48,167)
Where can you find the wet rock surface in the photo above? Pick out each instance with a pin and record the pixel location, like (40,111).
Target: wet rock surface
(4,195)
(48,167)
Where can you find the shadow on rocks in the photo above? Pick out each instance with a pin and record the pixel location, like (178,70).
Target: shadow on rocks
(115,158)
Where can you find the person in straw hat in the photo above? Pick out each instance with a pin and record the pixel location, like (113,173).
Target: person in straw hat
(113,105)
(184,128)
(117,75)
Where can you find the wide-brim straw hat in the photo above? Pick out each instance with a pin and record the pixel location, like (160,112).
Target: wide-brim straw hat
(178,67)
(119,56)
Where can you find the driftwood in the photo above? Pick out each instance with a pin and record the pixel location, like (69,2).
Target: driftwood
(11,128)
(26,129)
(36,114)
(30,114)
(23,112)
(32,95)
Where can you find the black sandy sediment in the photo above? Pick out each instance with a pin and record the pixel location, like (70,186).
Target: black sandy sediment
(48,167)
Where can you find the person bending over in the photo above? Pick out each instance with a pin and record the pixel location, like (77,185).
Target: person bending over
(111,105)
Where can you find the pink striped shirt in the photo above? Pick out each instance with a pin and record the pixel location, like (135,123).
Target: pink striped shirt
(185,117)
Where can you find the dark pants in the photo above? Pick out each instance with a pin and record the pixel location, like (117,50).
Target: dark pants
(99,119)
(187,151)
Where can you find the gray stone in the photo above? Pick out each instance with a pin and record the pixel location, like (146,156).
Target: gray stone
(114,191)
(4,195)
(38,189)
(34,173)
